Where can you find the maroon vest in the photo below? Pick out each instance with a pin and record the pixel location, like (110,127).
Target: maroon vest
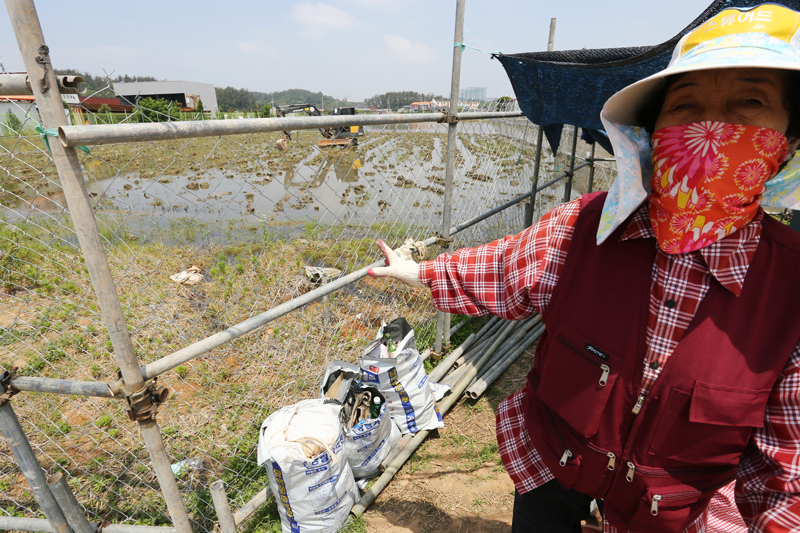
(656,470)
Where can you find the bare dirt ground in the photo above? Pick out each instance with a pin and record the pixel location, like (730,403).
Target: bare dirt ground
(455,482)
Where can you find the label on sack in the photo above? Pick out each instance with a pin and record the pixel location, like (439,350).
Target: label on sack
(401,379)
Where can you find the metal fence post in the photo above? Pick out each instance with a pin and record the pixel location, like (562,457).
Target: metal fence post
(69,504)
(539,139)
(35,54)
(568,184)
(591,169)
(443,319)
(29,465)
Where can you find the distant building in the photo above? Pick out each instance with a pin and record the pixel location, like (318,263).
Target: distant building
(433,105)
(94,104)
(185,93)
(23,107)
(473,94)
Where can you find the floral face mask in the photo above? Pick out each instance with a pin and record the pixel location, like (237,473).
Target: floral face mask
(707,181)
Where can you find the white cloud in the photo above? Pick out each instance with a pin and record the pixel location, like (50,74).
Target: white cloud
(316,20)
(406,51)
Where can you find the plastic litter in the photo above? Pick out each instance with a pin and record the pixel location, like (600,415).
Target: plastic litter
(182,468)
(190,276)
(321,274)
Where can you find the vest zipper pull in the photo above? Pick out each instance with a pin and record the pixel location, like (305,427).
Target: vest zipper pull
(565,457)
(631,470)
(654,505)
(604,375)
(638,406)
(612,460)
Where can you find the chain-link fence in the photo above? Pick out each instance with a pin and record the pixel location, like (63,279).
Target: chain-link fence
(202,234)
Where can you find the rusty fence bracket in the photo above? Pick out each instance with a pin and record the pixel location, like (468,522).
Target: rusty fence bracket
(144,402)
(5,383)
(450,118)
(443,242)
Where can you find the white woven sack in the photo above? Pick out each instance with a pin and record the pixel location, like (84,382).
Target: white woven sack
(404,383)
(369,442)
(315,490)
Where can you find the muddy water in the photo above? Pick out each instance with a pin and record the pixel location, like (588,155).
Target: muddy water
(395,179)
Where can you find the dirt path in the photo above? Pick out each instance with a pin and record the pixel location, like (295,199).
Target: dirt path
(455,482)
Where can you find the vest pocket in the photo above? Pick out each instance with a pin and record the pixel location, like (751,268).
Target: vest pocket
(712,423)
(667,509)
(576,385)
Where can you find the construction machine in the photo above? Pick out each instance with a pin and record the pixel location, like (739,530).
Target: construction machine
(344,137)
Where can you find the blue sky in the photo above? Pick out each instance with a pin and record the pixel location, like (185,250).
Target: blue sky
(346,48)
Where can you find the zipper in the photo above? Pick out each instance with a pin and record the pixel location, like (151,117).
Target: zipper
(612,460)
(654,504)
(631,470)
(565,457)
(567,453)
(680,495)
(606,370)
(638,406)
(604,377)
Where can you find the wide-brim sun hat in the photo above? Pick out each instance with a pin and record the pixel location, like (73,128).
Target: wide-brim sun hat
(765,36)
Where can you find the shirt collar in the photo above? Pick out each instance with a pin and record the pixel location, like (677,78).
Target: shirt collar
(727,259)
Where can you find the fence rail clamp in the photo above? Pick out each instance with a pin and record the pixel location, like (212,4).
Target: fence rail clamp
(450,118)
(5,383)
(144,402)
(443,242)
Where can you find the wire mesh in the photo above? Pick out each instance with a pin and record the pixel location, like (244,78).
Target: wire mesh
(247,219)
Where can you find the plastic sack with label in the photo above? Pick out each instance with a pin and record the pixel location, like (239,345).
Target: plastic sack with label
(303,448)
(391,363)
(370,433)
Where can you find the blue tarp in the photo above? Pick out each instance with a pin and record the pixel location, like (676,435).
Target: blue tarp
(570,87)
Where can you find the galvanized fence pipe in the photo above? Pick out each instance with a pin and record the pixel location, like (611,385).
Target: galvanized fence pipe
(221,505)
(69,504)
(252,506)
(445,364)
(483,331)
(484,382)
(507,349)
(508,346)
(539,140)
(591,169)
(458,326)
(64,386)
(512,327)
(98,134)
(20,84)
(482,343)
(478,347)
(571,172)
(29,465)
(506,329)
(14,523)
(535,180)
(34,52)
(442,318)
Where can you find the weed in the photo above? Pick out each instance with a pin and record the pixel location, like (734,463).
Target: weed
(104,421)
(182,370)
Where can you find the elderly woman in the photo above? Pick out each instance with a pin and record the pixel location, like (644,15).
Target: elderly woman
(671,364)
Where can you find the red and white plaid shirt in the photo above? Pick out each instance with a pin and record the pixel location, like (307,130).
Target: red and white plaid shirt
(515,276)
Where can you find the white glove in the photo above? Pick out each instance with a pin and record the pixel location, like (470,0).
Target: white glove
(400,268)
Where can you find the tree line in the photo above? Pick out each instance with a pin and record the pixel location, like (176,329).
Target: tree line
(396,100)
(246,100)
